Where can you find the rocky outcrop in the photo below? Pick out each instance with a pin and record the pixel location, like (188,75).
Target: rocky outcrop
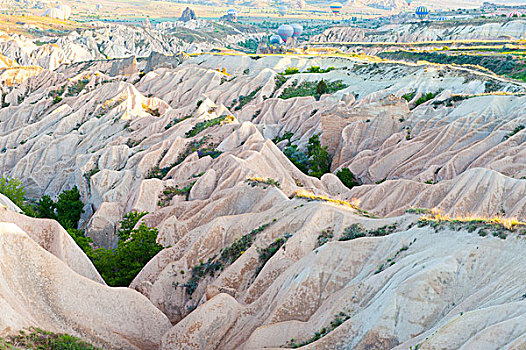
(188,15)
(253,255)
(57,299)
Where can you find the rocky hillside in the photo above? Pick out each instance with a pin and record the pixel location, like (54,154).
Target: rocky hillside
(119,41)
(258,253)
(415,32)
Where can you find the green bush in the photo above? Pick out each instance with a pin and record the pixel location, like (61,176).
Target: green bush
(39,339)
(290,71)
(45,208)
(319,158)
(228,256)
(128,222)
(317,69)
(57,99)
(119,266)
(13,189)
(204,125)
(244,100)
(266,253)
(316,162)
(425,98)
(69,208)
(321,88)
(312,88)
(409,96)
(347,178)
(286,136)
(298,158)
(515,131)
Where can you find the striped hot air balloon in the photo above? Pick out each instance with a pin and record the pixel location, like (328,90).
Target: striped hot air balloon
(285,31)
(422,12)
(231,12)
(442,18)
(275,40)
(336,8)
(514,14)
(298,29)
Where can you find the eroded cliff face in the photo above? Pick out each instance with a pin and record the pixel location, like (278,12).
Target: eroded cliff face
(253,257)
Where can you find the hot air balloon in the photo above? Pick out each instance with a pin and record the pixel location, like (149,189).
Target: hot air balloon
(409,2)
(514,14)
(282,10)
(422,12)
(298,29)
(231,12)
(62,12)
(66,10)
(442,18)
(275,40)
(285,31)
(336,8)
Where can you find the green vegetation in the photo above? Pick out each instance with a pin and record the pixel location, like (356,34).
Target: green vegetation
(298,158)
(154,112)
(90,173)
(177,120)
(325,236)
(170,192)
(128,222)
(310,88)
(409,96)
(119,266)
(515,131)
(339,319)
(317,69)
(279,80)
(266,253)
(320,160)
(254,181)
(286,136)
(77,87)
(249,45)
(135,248)
(36,338)
(198,146)
(418,211)
(244,100)
(57,99)
(347,178)
(498,61)
(290,71)
(425,98)
(199,127)
(66,210)
(228,256)
(352,232)
(498,227)
(356,231)
(133,143)
(391,261)
(13,189)
(315,162)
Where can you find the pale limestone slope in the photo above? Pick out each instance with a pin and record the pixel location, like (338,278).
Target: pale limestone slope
(57,299)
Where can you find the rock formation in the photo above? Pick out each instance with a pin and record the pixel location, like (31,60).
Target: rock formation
(258,254)
(188,15)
